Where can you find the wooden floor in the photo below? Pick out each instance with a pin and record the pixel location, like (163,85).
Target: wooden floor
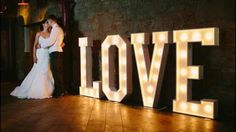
(78,113)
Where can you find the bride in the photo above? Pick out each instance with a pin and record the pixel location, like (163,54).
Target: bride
(39,82)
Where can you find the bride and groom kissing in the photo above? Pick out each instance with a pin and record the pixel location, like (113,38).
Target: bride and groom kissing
(45,79)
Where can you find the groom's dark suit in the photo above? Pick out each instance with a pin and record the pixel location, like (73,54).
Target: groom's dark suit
(54,43)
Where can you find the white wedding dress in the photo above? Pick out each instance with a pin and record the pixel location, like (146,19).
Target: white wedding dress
(39,82)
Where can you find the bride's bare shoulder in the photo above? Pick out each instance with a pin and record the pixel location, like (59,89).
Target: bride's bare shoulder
(38,34)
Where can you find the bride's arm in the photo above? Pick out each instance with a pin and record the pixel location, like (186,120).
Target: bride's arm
(35,47)
(52,38)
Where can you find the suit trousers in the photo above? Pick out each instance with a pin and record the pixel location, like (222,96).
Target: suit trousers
(56,62)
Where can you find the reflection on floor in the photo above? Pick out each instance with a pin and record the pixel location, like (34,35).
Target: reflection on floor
(78,113)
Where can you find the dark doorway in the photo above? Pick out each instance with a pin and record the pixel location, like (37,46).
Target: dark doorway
(8,59)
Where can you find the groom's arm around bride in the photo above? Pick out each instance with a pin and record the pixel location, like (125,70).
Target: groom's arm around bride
(56,38)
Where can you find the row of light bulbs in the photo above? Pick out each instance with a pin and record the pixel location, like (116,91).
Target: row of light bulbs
(150,71)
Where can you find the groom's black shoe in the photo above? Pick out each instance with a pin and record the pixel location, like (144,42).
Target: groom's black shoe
(56,96)
(64,93)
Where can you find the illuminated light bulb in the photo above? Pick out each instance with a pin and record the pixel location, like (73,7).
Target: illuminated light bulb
(95,89)
(183,106)
(117,96)
(83,84)
(82,50)
(140,51)
(121,93)
(105,45)
(106,88)
(95,94)
(105,75)
(157,65)
(144,78)
(155,77)
(104,66)
(196,36)
(209,36)
(123,47)
(194,72)
(162,37)
(86,91)
(183,54)
(122,54)
(184,37)
(183,72)
(83,41)
(122,69)
(140,39)
(104,70)
(194,107)
(159,52)
(83,63)
(83,73)
(123,77)
(115,40)
(123,62)
(90,92)
(83,53)
(183,88)
(150,89)
(208,108)
(105,78)
(105,60)
(105,53)
(149,100)
(142,64)
(142,71)
(139,57)
(156,59)
(81,88)
(123,84)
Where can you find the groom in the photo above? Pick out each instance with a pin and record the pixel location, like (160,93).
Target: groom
(55,44)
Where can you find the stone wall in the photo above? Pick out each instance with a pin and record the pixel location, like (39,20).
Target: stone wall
(98,18)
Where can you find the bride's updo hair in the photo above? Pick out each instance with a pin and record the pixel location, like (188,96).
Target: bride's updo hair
(41,25)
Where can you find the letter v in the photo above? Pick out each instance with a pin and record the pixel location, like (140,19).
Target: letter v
(151,76)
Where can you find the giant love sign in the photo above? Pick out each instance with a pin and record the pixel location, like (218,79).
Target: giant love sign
(150,72)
